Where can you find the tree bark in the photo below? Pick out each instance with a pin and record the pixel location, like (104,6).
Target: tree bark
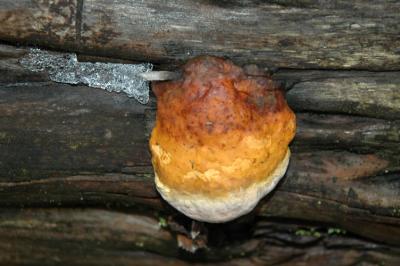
(66,151)
(68,145)
(103,237)
(355,93)
(290,34)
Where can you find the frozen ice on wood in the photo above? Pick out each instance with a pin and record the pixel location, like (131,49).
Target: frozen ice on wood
(65,68)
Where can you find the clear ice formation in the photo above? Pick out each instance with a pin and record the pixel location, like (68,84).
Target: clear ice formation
(65,68)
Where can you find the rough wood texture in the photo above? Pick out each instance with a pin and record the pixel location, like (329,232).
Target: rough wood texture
(100,237)
(68,146)
(50,22)
(373,94)
(322,131)
(293,34)
(341,194)
(77,146)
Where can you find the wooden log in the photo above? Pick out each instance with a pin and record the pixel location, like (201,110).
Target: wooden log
(360,93)
(72,145)
(291,34)
(40,236)
(102,237)
(50,22)
(345,194)
(322,131)
(68,145)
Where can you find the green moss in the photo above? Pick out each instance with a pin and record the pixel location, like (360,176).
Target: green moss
(308,232)
(74,146)
(336,231)
(331,231)
(139,244)
(24,172)
(5,138)
(395,212)
(162,222)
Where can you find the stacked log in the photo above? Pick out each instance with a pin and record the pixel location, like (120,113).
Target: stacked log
(75,171)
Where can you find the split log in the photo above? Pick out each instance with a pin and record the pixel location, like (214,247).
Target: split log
(72,146)
(101,237)
(293,34)
(364,205)
(68,145)
(373,94)
(322,131)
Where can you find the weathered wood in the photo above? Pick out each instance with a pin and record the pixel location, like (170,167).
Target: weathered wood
(331,131)
(338,188)
(374,94)
(68,236)
(50,22)
(293,34)
(371,94)
(72,145)
(100,237)
(322,131)
(65,145)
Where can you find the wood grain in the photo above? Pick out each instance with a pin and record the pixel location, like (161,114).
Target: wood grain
(64,147)
(104,237)
(286,34)
(373,94)
(39,22)
(68,145)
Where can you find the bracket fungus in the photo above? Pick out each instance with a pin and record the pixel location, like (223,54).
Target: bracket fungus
(220,142)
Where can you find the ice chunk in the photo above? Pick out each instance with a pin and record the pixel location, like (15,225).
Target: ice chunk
(65,68)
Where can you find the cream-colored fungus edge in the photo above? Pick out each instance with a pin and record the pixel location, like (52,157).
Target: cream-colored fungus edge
(222,209)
